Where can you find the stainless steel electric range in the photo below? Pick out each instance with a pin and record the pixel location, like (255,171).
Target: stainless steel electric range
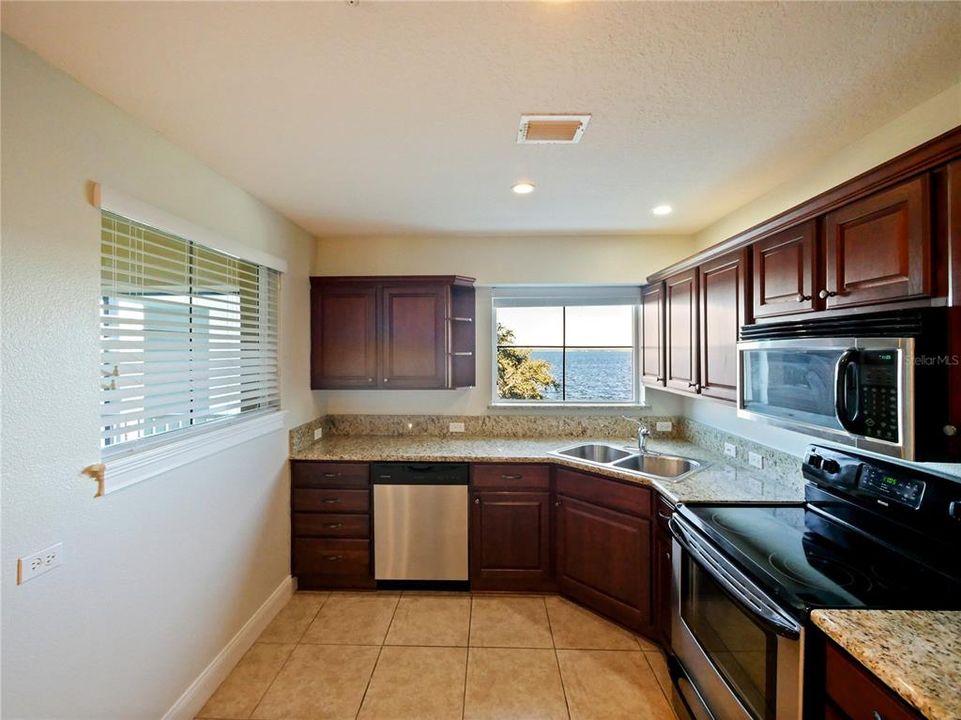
(871,534)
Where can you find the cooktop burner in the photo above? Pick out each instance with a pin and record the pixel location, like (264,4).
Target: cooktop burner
(808,560)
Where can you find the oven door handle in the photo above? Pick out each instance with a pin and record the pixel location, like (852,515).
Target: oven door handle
(724,574)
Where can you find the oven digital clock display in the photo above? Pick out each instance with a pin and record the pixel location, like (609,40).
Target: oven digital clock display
(906,491)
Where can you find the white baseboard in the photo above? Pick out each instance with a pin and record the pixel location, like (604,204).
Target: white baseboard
(196,695)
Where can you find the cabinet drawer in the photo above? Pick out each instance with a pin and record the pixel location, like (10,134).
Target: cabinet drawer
(324,474)
(331,557)
(332,501)
(511,476)
(331,525)
(609,493)
(857,693)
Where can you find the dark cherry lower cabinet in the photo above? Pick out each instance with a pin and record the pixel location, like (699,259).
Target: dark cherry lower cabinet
(603,547)
(510,531)
(663,571)
(330,525)
(853,693)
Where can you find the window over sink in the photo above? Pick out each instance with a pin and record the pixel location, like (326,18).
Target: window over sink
(565,345)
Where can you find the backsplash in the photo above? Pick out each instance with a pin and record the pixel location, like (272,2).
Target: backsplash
(712,439)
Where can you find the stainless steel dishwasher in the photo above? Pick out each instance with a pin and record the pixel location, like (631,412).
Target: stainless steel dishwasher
(420,521)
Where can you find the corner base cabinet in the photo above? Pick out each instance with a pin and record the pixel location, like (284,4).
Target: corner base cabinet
(330,513)
(392,332)
(603,547)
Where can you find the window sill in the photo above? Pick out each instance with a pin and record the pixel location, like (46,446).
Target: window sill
(125,470)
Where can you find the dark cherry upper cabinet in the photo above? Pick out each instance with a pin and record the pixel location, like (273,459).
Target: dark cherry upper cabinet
(680,336)
(652,334)
(510,541)
(785,272)
(392,332)
(413,337)
(878,249)
(722,291)
(343,336)
(603,546)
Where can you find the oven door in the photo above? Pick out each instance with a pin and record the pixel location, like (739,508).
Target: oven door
(742,654)
(849,390)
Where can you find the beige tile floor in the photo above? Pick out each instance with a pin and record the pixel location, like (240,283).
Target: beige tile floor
(423,656)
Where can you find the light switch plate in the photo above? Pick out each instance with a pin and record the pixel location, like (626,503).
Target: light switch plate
(755,460)
(456,427)
(730,449)
(664,426)
(318,433)
(31,566)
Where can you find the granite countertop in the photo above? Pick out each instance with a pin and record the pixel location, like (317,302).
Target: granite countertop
(915,653)
(719,482)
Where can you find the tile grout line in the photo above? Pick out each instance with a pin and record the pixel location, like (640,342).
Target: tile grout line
(380,652)
(470,619)
(557,661)
(663,691)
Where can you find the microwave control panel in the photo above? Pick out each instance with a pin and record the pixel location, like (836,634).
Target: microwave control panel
(879,394)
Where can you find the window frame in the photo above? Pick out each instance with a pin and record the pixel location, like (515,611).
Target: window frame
(127,463)
(568,296)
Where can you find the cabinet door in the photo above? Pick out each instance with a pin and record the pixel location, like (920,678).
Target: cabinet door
(414,336)
(343,336)
(785,274)
(879,249)
(652,334)
(680,298)
(510,539)
(722,290)
(604,560)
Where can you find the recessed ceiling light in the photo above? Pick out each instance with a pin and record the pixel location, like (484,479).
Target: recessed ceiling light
(662,210)
(523,188)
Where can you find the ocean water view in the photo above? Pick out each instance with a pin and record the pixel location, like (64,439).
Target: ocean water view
(591,375)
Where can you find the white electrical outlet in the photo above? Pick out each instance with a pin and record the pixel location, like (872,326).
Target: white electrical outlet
(37,564)
(755,460)
(664,426)
(730,449)
(455,427)
(318,433)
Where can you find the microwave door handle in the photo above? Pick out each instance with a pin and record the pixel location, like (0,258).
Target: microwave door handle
(847,360)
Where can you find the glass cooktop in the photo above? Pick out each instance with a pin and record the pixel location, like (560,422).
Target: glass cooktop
(809,561)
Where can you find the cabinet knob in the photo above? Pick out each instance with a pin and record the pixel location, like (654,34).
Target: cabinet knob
(557,503)
(477,501)
(386,380)
(370,380)
(950,430)
(876,716)
(824,294)
(659,378)
(801,297)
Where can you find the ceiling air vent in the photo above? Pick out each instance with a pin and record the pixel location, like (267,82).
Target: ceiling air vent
(554,129)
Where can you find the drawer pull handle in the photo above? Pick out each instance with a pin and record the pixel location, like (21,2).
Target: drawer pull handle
(331,501)
(331,475)
(334,558)
(334,526)
(511,477)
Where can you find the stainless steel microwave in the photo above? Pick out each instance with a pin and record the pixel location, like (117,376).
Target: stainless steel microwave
(854,391)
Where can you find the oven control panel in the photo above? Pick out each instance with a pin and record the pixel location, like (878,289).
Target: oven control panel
(890,486)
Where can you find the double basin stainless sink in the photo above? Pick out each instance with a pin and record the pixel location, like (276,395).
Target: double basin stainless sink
(648,464)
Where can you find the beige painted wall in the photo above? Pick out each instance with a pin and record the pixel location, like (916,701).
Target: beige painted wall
(493,261)
(919,124)
(159,576)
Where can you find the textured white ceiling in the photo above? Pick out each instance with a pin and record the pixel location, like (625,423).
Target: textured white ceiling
(402,117)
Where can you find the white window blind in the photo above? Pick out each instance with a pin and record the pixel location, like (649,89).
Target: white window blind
(188,335)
